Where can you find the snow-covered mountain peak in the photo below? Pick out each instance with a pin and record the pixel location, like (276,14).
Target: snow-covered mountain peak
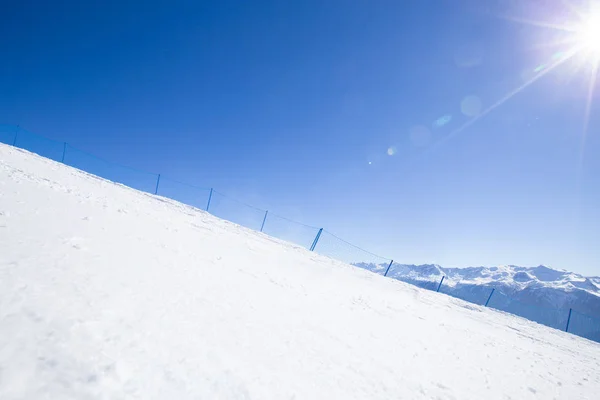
(540,286)
(512,275)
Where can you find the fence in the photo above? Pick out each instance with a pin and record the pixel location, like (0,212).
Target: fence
(313,238)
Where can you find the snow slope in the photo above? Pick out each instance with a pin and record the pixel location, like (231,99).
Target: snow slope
(110,293)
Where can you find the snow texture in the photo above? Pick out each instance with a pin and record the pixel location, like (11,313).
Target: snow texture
(111,293)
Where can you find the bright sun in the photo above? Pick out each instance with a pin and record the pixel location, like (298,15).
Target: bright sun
(588,36)
(577,43)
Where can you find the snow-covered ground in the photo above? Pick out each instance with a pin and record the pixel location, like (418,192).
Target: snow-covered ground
(110,293)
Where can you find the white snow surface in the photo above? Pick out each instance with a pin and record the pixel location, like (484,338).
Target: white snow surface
(111,293)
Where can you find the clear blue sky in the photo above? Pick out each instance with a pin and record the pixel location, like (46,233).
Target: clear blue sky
(296,106)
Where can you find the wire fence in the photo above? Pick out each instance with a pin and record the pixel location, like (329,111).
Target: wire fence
(313,238)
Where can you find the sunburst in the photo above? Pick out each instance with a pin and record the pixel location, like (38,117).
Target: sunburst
(581,41)
(580,46)
(587,36)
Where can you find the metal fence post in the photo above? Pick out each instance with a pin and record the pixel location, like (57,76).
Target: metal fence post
(264,220)
(440,285)
(209,198)
(157,182)
(314,244)
(568,320)
(388,268)
(488,300)
(62,160)
(15,139)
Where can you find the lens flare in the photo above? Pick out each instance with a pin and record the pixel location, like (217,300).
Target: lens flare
(471,106)
(438,123)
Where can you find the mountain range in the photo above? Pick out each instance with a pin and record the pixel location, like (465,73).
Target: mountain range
(541,294)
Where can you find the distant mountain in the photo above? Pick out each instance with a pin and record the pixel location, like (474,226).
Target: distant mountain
(540,293)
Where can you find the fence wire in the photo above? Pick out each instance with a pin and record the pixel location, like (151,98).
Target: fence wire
(7,133)
(335,247)
(141,180)
(38,144)
(192,195)
(426,278)
(585,326)
(553,317)
(235,211)
(473,293)
(289,230)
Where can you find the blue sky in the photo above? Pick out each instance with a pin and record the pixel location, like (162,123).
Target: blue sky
(325,111)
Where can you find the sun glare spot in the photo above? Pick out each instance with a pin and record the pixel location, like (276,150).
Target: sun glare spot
(588,37)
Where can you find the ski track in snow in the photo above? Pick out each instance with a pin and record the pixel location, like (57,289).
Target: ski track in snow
(110,293)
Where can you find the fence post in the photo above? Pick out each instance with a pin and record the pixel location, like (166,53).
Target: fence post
(62,160)
(209,197)
(440,285)
(568,320)
(157,182)
(15,139)
(488,300)
(264,220)
(314,244)
(388,268)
